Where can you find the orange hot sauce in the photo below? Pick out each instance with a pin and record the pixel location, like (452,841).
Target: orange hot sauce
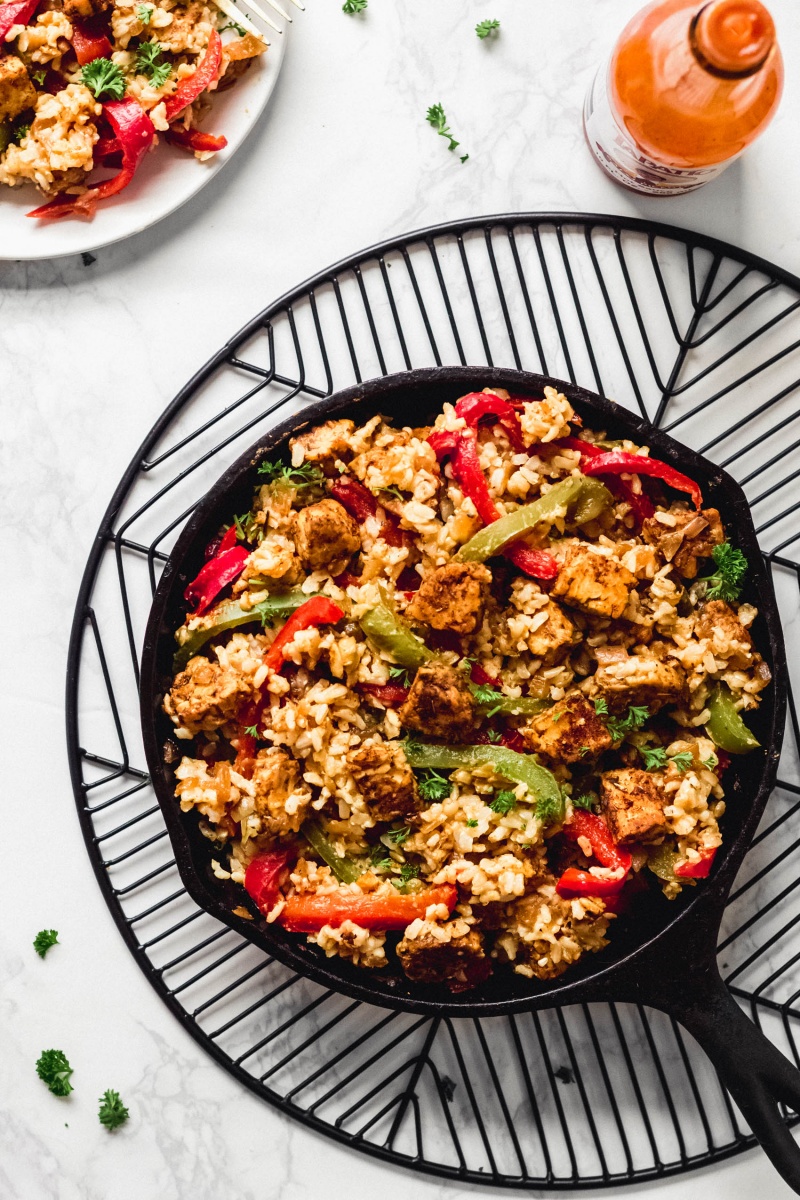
(687,89)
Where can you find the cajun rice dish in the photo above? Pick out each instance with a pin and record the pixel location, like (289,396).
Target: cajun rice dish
(447,697)
(88,84)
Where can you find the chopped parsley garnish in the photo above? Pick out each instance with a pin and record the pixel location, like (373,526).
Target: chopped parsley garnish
(248,528)
(39,76)
(44,940)
(711,763)
(548,808)
(54,1070)
(354,6)
(379,858)
(435,116)
(306,475)
(471,823)
(407,872)
(583,751)
(398,836)
(144,13)
(104,79)
(400,675)
(240,29)
(393,491)
(252,731)
(112,1112)
(634,719)
(485,28)
(503,803)
(558,715)
(682,761)
(494,736)
(434,786)
(150,63)
(726,582)
(588,801)
(600,706)
(654,757)
(487,697)
(20,132)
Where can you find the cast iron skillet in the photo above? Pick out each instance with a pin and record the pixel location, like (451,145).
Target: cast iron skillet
(664,953)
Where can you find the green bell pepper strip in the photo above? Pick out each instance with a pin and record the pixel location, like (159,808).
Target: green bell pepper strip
(725,726)
(512,706)
(390,634)
(521,768)
(493,538)
(662,861)
(346,870)
(231,615)
(592,500)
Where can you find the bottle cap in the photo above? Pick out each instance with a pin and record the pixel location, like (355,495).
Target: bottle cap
(733,37)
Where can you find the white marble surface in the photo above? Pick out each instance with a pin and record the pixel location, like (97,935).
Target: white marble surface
(90,356)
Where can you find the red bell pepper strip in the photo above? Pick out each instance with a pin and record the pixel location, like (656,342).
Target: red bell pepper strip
(392,695)
(617,462)
(196,139)
(135,132)
(640,505)
(575,882)
(462,448)
(586,825)
(482,678)
(219,545)
(190,88)
(318,610)
(308,914)
(214,576)
(105,147)
(354,498)
(347,579)
(16,12)
(263,874)
(89,42)
(477,405)
(698,869)
(512,739)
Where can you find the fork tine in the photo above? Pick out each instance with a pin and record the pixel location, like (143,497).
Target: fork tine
(274,4)
(256,8)
(235,14)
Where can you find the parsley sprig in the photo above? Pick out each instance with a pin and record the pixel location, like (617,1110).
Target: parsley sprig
(112,1112)
(306,475)
(486,28)
(434,786)
(503,803)
(53,1069)
(104,79)
(398,836)
(726,582)
(150,63)
(354,6)
(588,801)
(656,757)
(144,13)
(435,116)
(487,697)
(44,940)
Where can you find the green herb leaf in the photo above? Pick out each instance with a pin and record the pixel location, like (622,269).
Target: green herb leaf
(306,475)
(54,1070)
(400,674)
(487,697)
(44,940)
(711,763)
(393,491)
(726,582)
(583,751)
(600,706)
(240,29)
(112,1112)
(587,801)
(503,803)
(379,858)
(435,116)
(104,79)
(408,871)
(144,13)
(20,132)
(494,736)
(150,63)
(549,808)
(485,28)
(252,731)
(398,836)
(39,76)
(655,757)
(354,6)
(634,719)
(682,761)
(471,823)
(434,787)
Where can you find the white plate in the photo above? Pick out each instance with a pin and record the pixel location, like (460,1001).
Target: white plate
(167,178)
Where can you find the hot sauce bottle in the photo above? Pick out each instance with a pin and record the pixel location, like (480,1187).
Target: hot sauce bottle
(687,89)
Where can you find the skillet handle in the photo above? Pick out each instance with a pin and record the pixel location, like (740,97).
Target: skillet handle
(757,1075)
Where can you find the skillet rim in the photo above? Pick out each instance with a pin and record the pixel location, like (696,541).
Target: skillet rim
(596,979)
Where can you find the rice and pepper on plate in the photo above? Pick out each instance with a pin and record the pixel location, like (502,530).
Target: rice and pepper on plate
(93,83)
(453,691)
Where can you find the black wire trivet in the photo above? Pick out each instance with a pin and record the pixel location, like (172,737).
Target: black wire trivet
(702,338)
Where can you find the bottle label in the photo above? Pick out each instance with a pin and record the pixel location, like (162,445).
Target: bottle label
(622,159)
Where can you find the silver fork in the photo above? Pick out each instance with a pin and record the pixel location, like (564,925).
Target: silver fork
(235,13)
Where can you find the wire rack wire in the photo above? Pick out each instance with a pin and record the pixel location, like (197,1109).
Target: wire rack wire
(699,337)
